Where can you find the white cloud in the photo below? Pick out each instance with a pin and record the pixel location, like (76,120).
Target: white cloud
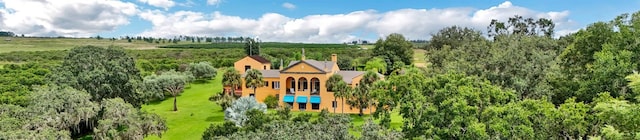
(64,18)
(166,4)
(289,6)
(413,23)
(213,2)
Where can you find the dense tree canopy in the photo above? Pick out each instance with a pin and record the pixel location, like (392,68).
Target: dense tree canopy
(102,72)
(393,49)
(251,46)
(202,70)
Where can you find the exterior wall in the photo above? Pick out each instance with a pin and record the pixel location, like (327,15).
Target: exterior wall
(261,92)
(239,65)
(326,97)
(302,67)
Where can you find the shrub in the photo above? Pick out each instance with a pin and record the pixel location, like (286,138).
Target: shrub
(202,70)
(214,131)
(271,101)
(237,112)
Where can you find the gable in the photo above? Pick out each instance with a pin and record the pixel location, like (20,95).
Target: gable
(301,67)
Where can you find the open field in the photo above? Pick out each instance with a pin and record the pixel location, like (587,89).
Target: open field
(419,57)
(195,112)
(46,44)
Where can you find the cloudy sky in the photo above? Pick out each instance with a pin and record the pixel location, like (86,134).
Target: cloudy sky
(290,20)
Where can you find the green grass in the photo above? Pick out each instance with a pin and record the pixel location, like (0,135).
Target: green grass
(419,57)
(47,44)
(262,45)
(195,111)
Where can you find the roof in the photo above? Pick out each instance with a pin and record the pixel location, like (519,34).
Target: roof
(316,64)
(347,76)
(267,73)
(259,59)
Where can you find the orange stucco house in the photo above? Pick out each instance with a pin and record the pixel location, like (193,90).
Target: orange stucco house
(301,84)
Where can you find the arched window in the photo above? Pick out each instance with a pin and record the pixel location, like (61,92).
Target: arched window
(315,86)
(302,84)
(291,85)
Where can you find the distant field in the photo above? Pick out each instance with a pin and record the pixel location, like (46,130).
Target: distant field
(46,44)
(263,45)
(419,57)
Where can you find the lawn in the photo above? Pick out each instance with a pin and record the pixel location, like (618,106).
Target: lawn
(47,44)
(195,112)
(419,57)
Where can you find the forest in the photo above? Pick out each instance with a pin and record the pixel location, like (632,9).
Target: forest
(515,81)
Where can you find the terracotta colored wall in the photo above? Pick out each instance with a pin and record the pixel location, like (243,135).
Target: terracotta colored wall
(239,65)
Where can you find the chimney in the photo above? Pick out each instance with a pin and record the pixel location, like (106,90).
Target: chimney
(334,58)
(302,57)
(281,65)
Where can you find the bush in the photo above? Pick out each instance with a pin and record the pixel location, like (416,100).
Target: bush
(237,112)
(271,101)
(202,70)
(214,131)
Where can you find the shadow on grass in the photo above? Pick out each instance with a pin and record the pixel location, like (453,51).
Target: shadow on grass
(215,118)
(156,102)
(200,81)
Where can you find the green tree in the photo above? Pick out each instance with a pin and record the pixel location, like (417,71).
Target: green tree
(332,85)
(449,106)
(169,82)
(253,79)
(342,91)
(361,97)
(454,37)
(373,131)
(237,112)
(523,26)
(377,65)
(395,48)
(63,108)
(232,78)
(271,101)
(202,70)
(102,72)
(120,120)
(226,129)
(251,47)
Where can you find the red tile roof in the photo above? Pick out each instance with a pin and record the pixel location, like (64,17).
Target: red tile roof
(260,59)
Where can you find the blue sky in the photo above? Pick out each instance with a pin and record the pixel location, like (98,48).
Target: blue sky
(289,20)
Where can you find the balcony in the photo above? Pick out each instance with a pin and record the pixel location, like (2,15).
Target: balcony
(315,92)
(291,91)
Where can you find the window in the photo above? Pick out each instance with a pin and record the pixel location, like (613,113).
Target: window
(252,95)
(302,106)
(275,85)
(247,67)
(290,105)
(334,104)
(266,83)
(264,67)
(315,106)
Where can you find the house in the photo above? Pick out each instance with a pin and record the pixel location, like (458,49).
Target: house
(301,84)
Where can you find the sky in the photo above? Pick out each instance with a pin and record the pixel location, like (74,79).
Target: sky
(310,21)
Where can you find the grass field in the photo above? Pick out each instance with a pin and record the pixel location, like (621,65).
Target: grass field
(46,44)
(195,113)
(419,57)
